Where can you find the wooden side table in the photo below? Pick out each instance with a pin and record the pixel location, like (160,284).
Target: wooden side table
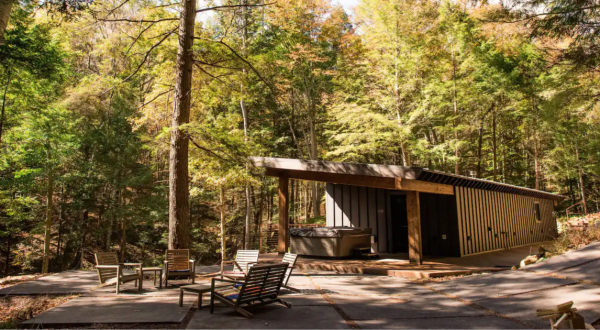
(198,289)
(155,269)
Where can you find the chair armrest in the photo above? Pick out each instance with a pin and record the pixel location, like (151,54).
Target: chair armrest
(108,266)
(193,265)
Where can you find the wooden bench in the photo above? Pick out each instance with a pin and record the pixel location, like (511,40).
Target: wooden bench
(260,287)
(111,271)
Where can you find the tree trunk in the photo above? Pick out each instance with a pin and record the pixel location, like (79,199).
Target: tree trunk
(123,240)
(84,224)
(7,255)
(306,193)
(248,226)
(60,226)
(580,173)
(480,147)
(292,201)
(271,200)
(455,104)
(536,149)
(503,158)
(313,152)
(49,194)
(494,145)
(179,235)
(222,201)
(4,98)
(5,9)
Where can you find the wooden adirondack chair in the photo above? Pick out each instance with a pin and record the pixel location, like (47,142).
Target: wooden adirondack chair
(111,271)
(178,263)
(290,259)
(260,287)
(244,259)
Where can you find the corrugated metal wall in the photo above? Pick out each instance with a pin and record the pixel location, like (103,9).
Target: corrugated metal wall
(490,220)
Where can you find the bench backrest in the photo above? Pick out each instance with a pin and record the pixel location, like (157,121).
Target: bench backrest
(262,282)
(245,257)
(290,259)
(106,259)
(178,259)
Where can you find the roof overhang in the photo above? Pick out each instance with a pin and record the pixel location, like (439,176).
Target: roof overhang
(385,176)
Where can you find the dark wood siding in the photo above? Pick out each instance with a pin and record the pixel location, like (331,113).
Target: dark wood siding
(369,208)
(439,225)
(473,220)
(489,220)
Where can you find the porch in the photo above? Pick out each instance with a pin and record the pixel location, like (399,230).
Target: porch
(398,265)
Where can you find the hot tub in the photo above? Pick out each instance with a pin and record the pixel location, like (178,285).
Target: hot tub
(329,241)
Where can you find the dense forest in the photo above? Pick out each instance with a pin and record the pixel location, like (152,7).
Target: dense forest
(126,125)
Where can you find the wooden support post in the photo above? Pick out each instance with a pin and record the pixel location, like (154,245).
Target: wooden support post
(283,234)
(415,244)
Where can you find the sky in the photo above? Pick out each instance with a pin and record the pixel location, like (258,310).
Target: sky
(347,4)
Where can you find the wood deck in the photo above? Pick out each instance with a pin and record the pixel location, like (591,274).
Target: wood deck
(398,264)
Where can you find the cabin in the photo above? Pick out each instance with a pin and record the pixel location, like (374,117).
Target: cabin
(420,211)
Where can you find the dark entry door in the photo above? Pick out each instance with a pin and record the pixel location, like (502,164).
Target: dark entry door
(399,239)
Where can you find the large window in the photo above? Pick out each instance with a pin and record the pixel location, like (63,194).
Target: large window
(536,210)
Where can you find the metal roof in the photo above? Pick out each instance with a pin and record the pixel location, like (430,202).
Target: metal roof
(394,171)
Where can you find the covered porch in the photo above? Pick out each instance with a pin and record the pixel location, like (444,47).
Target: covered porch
(398,265)
(396,178)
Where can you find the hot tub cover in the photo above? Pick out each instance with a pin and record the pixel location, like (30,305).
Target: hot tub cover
(329,232)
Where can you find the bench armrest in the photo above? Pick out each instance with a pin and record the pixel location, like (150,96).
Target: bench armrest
(224,280)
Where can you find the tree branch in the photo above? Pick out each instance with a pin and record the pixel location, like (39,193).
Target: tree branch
(128,20)
(207,150)
(232,6)
(157,96)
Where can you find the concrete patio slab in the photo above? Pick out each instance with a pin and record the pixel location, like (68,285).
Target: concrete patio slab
(270,317)
(570,259)
(369,285)
(301,281)
(212,269)
(586,299)
(417,306)
(586,272)
(148,289)
(68,282)
(477,322)
(117,309)
(478,287)
(310,299)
